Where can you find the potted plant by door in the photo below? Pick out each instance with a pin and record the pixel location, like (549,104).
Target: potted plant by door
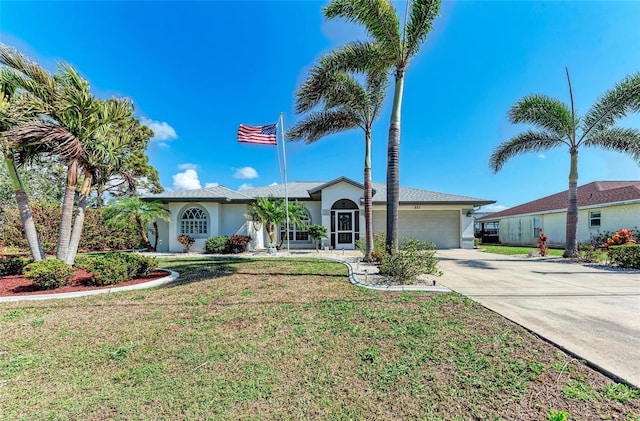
(186,241)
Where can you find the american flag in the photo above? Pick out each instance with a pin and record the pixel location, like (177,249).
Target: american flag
(263,135)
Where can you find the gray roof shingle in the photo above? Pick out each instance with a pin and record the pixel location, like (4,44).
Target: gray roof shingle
(303,190)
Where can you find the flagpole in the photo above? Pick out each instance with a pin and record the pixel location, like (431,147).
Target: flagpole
(284,159)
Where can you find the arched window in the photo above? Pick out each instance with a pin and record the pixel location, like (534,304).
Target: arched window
(194,221)
(298,234)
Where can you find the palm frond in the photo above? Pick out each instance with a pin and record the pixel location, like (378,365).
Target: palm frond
(46,136)
(358,57)
(529,141)
(613,104)
(545,113)
(376,86)
(28,75)
(319,124)
(377,16)
(423,13)
(618,139)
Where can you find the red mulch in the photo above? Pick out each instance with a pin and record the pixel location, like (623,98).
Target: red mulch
(19,285)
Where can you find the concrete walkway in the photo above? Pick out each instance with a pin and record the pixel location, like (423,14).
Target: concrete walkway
(591,312)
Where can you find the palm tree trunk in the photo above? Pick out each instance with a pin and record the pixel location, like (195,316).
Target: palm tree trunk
(571,241)
(368,199)
(78,224)
(143,232)
(393,165)
(64,233)
(30,230)
(155,233)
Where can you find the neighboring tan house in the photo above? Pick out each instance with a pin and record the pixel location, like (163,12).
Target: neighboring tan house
(602,206)
(444,219)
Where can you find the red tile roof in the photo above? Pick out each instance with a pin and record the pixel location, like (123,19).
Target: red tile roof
(595,193)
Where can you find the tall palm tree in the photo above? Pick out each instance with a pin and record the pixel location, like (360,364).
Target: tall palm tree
(394,46)
(557,124)
(347,105)
(124,210)
(10,116)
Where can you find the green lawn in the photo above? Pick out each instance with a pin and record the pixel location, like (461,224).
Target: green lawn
(285,339)
(514,250)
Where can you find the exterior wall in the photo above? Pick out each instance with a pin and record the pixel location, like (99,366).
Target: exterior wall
(163,236)
(232,219)
(176,209)
(332,194)
(518,230)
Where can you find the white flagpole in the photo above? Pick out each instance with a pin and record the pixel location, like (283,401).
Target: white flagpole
(286,197)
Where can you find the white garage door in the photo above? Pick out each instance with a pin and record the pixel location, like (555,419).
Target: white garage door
(439,227)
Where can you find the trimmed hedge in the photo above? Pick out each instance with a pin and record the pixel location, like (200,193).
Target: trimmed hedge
(49,273)
(224,245)
(625,256)
(113,268)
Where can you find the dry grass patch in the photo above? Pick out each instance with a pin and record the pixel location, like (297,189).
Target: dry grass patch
(284,339)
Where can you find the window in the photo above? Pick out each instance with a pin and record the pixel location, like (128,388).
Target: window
(297,234)
(194,221)
(594,219)
(537,224)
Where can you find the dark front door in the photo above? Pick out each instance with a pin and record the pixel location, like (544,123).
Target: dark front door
(344,231)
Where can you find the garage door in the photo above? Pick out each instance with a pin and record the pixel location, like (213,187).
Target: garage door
(439,227)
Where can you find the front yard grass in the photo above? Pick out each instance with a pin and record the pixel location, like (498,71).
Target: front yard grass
(516,250)
(285,339)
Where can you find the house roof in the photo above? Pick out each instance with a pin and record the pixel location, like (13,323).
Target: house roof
(207,194)
(307,190)
(592,194)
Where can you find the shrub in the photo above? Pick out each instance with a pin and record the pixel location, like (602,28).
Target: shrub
(49,273)
(238,243)
(414,258)
(13,265)
(625,256)
(186,241)
(113,268)
(623,236)
(542,243)
(590,254)
(318,232)
(379,246)
(216,245)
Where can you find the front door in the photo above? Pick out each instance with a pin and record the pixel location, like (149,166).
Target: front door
(344,230)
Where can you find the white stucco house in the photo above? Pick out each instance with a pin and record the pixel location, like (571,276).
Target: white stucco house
(602,206)
(444,219)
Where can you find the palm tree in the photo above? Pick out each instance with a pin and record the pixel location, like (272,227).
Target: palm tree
(347,104)
(10,116)
(272,212)
(557,124)
(394,47)
(124,210)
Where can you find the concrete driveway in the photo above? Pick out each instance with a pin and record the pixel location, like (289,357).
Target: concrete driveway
(593,313)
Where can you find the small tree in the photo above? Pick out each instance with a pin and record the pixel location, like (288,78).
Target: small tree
(317,232)
(125,210)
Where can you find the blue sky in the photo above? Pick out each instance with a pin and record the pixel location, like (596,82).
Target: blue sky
(196,70)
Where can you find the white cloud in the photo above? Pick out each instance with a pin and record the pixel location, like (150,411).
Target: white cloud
(186,180)
(245,186)
(188,166)
(245,173)
(161,131)
(212,184)
(541,156)
(493,208)
(273,184)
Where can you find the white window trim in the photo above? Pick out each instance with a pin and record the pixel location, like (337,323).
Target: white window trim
(591,219)
(194,225)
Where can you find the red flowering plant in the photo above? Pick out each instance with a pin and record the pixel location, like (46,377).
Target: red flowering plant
(623,236)
(542,243)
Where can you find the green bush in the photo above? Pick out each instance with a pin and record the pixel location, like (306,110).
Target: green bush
(13,265)
(589,253)
(216,245)
(49,273)
(113,268)
(414,258)
(625,256)
(379,246)
(238,243)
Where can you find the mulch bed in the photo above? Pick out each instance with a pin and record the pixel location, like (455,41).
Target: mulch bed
(19,285)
